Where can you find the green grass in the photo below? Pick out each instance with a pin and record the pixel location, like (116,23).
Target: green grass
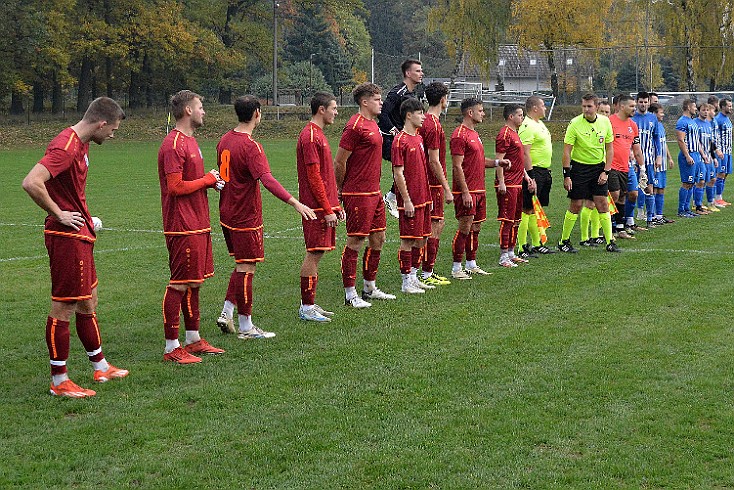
(589,371)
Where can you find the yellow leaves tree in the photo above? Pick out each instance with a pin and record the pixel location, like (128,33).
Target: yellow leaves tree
(550,24)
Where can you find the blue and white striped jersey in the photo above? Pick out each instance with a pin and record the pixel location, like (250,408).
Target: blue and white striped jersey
(725,133)
(707,134)
(692,132)
(649,144)
(662,138)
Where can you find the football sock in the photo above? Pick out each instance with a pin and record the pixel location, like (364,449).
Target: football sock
(629,209)
(458,246)
(244,293)
(228,309)
(522,230)
(405,257)
(350,292)
(245,323)
(709,194)
(659,205)
(698,196)
(308,289)
(57,340)
(568,222)
(650,206)
(416,257)
(456,267)
(172,313)
(171,344)
(192,336)
(230,296)
(682,195)
(470,264)
(533,230)
(87,329)
(349,267)
(606,223)
(585,220)
(595,223)
(369,285)
(429,261)
(190,309)
(370,263)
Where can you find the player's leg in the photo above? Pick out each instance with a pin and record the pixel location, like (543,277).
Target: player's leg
(87,328)
(376,222)
(472,244)
(516,202)
(458,245)
(226,318)
(309,282)
(432,243)
(358,228)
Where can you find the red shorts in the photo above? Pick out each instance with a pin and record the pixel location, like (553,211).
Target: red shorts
(246,246)
(365,214)
(478,208)
(190,257)
(319,237)
(509,204)
(73,275)
(438,198)
(417,227)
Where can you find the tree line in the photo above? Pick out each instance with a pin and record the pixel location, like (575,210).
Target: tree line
(143,50)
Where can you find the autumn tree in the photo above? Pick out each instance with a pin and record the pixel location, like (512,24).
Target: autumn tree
(549,24)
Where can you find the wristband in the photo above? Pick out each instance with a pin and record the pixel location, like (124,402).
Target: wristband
(566,172)
(496,162)
(606,171)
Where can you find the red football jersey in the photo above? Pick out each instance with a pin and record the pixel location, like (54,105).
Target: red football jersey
(242,162)
(186,214)
(626,134)
(434,139)
(67,159)
(508,142)
(408,152)
(314,149)
(362,137)
(466,142)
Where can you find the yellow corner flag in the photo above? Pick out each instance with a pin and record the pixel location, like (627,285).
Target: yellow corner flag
(612,206)
(543,222)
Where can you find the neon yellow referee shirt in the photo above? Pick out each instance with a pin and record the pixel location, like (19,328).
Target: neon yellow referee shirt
(537,135)
(589,139)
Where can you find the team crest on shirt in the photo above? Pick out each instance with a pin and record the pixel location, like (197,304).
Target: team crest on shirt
(601,139)
(629,130)
(86,159)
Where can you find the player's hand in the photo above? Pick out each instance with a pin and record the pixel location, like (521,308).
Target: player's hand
(532,187)
(689,160)
(72,219)
(409,209)
(505,163)
(670,164)
(331,220)
(603,178)
(448,197)
(567,184)
(502,188)
(304,210)
(719,154)
(466,199)
(342,215)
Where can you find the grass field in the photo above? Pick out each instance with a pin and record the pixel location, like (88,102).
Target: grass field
(593,371)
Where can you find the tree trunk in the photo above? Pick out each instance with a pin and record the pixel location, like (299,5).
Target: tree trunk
(552,69)
(108,77)
(16,104)
(85,85)
(57,96)
(134,91)
(225,95)
(38,95)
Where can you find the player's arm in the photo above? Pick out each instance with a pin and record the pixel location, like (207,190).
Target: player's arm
(500,173)
(340,167)
(434,163)
(384,122)
(604,176)
(566,164)
(402,187)
(179,187)
(680,137)
(35,185)
(637,152)
(274,187)
(460,179)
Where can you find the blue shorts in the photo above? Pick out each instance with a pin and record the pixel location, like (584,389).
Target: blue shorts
(650,169)
(699,171)
(632,183)
(725,165)
(688,172)
(660,180)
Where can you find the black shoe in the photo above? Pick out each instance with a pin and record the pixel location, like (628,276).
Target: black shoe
(612,247)
(565,246)
(667,220)
(543,250)
(599,240)
(528,253)
(588,243)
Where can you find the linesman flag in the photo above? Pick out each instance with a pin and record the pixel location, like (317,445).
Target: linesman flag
(543,222)
(612,206)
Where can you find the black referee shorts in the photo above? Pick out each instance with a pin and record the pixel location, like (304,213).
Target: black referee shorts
(617,181)
(585,181)
(543,182)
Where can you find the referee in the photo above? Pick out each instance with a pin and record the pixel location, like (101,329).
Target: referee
(587,160)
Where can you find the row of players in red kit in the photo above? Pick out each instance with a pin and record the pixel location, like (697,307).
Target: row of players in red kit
(345,189)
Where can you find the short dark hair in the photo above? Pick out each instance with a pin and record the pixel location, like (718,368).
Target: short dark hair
(405,66)
(364,90)
(320,99)
(245,107)
(624,98)
(713,100)
(654,108)
(410,105)
(510,109)
(590,96)
(468,103)
(181,100)
(687,104)
(654,94)
(533,101)
(435,92)
(642,95)
(723,102)
(604,102)
(104,109)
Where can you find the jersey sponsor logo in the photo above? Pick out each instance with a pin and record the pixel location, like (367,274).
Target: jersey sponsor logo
(86,159)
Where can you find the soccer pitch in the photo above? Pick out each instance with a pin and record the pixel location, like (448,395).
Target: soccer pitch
(593,370)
